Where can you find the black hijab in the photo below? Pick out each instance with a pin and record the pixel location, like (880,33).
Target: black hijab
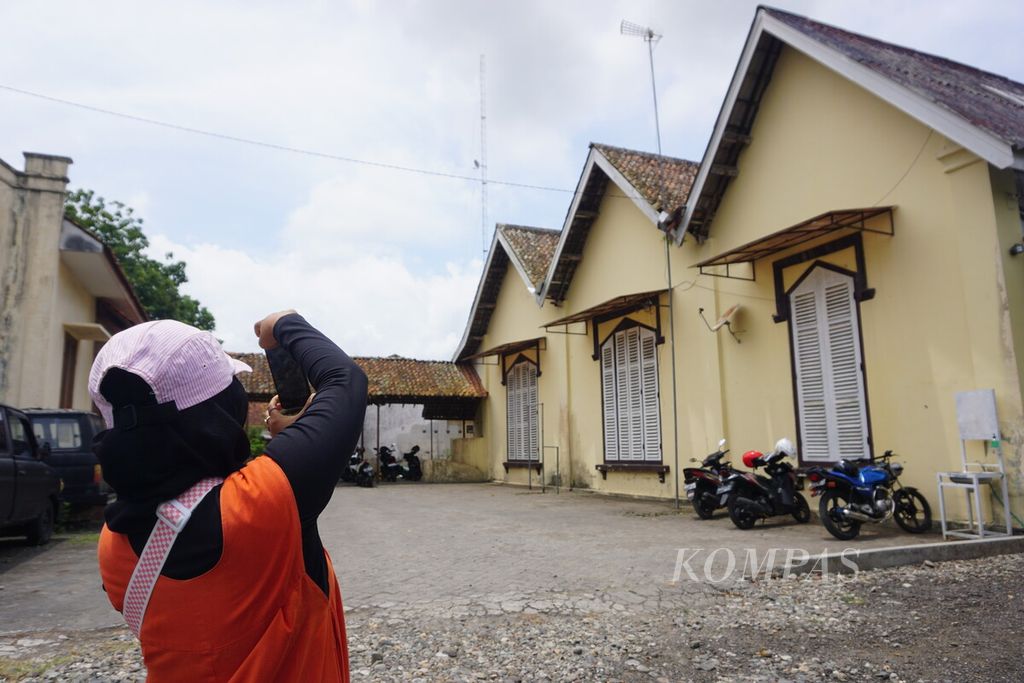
(157,459)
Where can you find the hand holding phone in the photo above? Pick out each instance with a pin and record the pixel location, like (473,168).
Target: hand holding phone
(289,380)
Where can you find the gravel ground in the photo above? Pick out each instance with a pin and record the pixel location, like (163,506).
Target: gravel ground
(955,621)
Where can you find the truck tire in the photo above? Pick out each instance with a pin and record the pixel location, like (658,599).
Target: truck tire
(39,530)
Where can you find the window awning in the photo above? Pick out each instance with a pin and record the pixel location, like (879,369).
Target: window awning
(620,305)
(873,219)
(87,331)
(506,349)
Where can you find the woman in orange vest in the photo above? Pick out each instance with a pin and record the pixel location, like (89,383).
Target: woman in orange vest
(233,583)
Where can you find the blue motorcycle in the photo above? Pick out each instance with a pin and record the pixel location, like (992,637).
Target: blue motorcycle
(867,490)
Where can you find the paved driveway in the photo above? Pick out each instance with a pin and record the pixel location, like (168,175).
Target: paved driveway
(476,547)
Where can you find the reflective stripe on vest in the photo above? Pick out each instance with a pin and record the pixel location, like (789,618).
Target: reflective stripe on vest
(171,518)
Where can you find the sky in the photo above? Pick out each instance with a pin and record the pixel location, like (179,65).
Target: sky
(385,261)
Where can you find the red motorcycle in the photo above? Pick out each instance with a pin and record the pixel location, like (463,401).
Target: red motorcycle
(702,482)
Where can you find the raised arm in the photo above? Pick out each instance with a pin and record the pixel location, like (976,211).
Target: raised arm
(313,449)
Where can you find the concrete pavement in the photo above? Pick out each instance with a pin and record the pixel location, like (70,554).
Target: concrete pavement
(420,543)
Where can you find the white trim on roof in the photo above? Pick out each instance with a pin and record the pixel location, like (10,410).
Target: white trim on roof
(498,239)
(987,146)
(573,207)
(531,287)
(594,158)
(620,181)
(476,298)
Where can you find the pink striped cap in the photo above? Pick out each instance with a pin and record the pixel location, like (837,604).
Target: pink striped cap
(180,362)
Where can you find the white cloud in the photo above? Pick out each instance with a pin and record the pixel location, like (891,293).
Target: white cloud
(368,304)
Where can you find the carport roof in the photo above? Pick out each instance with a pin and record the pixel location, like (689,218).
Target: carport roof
(391,380)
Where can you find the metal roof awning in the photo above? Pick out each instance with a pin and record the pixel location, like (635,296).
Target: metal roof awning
(617,306)
(506,349)
(863,220)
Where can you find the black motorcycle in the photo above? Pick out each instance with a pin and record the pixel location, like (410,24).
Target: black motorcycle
(358,471)
(702,482)
(752,496)
(391,469)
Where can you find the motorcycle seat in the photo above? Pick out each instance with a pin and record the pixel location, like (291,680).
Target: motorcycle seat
(850,467)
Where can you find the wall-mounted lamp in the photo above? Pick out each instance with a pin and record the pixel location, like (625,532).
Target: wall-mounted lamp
(1017,249)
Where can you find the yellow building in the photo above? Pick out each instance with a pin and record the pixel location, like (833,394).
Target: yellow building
(858,202)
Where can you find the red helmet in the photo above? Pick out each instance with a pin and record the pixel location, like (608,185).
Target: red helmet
(750,458)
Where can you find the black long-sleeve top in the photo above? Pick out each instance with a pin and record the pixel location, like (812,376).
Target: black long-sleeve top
(313,449)
(311,452)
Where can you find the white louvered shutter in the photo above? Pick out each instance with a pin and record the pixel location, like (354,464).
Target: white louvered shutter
(522,418)
(830,380)
(608,401)
(622,394)
(850,413)
(530,423)
(512,414)
(652,413)
(634,391)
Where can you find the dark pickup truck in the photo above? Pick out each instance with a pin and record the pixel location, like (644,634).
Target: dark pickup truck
(29,488)
(68,434)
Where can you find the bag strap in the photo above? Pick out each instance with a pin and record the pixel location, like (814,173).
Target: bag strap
(171,518)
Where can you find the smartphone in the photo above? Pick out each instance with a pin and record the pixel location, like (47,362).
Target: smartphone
(289,380)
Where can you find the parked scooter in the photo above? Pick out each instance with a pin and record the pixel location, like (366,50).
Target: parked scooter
(413,469)
(858,491)
(358,471)
(702,482)
(753,496)
(393,470)
(387,464)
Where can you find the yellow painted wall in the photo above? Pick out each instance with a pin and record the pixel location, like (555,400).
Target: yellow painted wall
(939,323)
(948,314)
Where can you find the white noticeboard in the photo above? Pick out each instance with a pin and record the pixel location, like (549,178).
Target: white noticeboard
(976,415)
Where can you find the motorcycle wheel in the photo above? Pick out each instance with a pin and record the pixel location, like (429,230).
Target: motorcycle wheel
(704,504)
(913,513)
(742,516)
(801,510)
(831,500)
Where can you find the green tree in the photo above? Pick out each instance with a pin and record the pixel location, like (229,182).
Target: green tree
(156,283)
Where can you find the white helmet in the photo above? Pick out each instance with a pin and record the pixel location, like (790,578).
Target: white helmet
(785,446)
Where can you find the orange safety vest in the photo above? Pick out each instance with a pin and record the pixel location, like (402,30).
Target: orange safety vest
(256,615)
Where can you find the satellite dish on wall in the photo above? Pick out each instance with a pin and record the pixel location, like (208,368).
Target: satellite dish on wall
(724,320)
(726,317)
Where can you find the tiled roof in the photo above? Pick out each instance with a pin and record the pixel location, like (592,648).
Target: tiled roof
(984,99)
(389,378)
(534,248)
(663,181)
(396,377)
(259,382)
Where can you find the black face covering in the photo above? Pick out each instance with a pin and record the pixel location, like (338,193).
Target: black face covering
(162,454)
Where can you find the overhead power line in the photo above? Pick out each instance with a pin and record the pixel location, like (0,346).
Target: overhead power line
(282,148)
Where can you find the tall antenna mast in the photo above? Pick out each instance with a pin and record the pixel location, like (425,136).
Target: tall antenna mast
(483,155)
(628,28)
